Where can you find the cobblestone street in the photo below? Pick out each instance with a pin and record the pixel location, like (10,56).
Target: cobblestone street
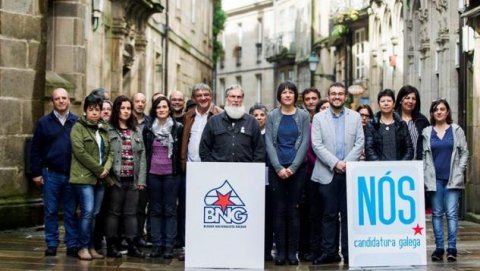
(23,249)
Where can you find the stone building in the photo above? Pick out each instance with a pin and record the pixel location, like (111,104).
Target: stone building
(470,88)
(125,46)
(243,61)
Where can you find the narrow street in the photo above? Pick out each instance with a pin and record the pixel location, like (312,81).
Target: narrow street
(23,249)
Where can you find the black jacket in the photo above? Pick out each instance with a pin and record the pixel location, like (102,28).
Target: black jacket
(374,140)
(222,142)
(149,137)
(420,123)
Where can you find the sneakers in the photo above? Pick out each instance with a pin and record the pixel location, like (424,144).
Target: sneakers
(451,254)
(84,255)
(51,251)
(437,255)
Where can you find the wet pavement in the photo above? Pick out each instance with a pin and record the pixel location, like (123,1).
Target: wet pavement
(23,249)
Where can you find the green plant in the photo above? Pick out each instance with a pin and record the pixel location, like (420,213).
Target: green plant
(219,18)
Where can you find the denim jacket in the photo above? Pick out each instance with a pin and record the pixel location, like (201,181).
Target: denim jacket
(302,119)
(457,164)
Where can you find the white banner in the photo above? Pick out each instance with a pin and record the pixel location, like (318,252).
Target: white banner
(386,213)
(225,215)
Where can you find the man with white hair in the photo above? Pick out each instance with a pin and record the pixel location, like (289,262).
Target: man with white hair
(233,135)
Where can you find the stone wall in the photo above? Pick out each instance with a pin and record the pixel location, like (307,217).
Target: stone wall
(22,81)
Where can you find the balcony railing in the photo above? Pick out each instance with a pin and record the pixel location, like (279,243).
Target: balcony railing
(283,45)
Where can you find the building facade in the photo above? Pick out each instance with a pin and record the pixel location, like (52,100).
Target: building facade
(243,61)
(124,46)
(470,87)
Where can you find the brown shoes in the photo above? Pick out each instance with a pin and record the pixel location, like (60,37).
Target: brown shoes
(84,255)
(95,254)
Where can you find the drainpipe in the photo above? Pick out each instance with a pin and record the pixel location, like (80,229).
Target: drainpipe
(165,55)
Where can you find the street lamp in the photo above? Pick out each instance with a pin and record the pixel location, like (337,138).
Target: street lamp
(312,65)
(313,61)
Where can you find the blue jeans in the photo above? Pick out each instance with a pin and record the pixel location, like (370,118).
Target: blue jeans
(445,201)
(56,191)
(90,200)
(163,194)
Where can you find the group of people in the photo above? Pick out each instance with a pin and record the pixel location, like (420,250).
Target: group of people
(115,159)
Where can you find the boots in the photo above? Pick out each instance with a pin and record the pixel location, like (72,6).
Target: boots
(168,253)
(112,251)
(133,250)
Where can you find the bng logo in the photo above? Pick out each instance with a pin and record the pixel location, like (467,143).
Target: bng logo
(224,206)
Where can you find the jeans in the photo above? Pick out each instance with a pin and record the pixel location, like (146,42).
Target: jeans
(90,200)
(122,205)
(334,197)
(163,194)
(56,191)
(445,201)
(286,195)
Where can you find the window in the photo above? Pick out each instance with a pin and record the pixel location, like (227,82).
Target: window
(359,54)
(221,88)
(259,30)
(259,87)
(239,34)
(238,80)
(194,7)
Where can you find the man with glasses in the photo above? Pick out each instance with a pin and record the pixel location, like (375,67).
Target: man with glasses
(337,137)
(177,100)
(233,135)
(194,122)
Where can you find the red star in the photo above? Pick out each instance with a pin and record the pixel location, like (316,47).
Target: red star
(223,200)
(418,230)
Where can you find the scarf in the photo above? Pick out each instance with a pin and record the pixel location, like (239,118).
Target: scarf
(163,133)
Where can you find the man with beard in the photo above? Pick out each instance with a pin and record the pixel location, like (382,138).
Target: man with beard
(337,137)
(232,136)
(177,100)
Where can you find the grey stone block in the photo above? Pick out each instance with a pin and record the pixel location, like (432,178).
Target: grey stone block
(14,53)
(18,6)
(11,121)
(17,83)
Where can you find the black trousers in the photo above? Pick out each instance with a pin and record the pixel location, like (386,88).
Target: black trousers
(334,197)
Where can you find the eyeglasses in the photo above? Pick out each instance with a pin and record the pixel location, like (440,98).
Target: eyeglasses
(338,94)
(367,116)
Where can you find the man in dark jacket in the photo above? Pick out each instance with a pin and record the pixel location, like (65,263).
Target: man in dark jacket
(232,136)
(50,158)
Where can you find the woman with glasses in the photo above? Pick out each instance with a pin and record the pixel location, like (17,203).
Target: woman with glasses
(445,156)
(386,129)
(286,140)
(366,113)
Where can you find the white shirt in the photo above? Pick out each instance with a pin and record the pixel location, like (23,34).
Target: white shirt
(61,118)
(195,136)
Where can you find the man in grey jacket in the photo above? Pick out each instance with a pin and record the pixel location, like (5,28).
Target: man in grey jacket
(337,137)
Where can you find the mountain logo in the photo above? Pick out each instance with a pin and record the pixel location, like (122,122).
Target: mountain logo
(224,206)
